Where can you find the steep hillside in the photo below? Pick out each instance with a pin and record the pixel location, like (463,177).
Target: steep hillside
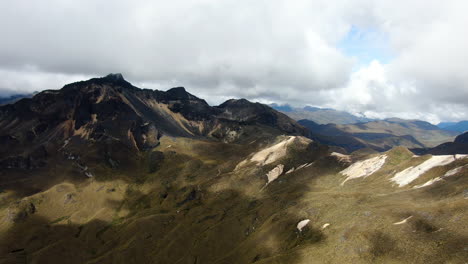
(285,201)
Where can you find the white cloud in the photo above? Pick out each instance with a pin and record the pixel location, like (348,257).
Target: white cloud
(271,51)
(427,78)
(29,79)
(371,91)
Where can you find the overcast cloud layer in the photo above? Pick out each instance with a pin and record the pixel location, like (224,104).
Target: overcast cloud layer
(296,52)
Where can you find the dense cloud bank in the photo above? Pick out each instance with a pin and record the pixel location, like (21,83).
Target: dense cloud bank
(272,51)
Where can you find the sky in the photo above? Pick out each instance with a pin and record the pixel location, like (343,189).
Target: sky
(379,58)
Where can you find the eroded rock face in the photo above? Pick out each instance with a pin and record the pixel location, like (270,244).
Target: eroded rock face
(109,113)
(20,211)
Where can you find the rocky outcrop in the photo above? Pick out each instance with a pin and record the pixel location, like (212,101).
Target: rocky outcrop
(20,211)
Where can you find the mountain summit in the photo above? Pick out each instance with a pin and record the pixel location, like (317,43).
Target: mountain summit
(109,111)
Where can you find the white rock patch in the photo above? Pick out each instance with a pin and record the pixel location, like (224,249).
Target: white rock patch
(437,179)
(302,224)
(273,153)
(65,143)
(305,165)
(325,226)
(455,171)
(291,170)
(364,168)
(341,157)
(403,221)
(301,166)
(410,174)
(275,173)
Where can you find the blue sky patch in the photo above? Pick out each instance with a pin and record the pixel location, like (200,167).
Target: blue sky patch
(366,45)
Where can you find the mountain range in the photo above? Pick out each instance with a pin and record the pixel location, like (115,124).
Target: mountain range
(13,98)
(461,126)
(324,116)
(318,115)
(380,135)
(458,146)
(101,171)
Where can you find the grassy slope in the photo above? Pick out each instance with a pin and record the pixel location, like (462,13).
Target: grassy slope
(194,208)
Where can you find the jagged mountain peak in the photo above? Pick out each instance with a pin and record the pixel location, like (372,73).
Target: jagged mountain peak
(180,93)
(113,79)
(179,89)
(236,102)
(115,76)
(111,111)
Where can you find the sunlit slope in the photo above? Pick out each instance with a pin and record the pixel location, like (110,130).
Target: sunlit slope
(199,201)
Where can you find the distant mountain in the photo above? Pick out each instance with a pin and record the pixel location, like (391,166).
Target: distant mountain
(320,115)
(13,98)
(380,135)
(445,124)
(461,126)
(458,146)
(282,108)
